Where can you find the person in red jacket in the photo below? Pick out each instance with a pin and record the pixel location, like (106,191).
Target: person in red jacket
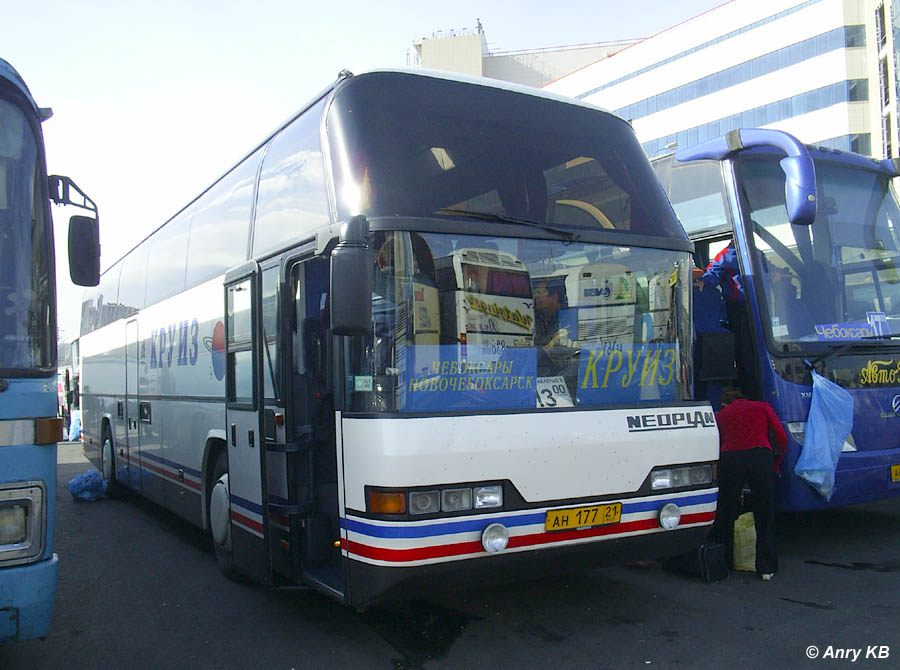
(747,456)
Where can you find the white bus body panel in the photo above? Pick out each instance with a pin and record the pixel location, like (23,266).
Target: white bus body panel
(547,456)
(181,365)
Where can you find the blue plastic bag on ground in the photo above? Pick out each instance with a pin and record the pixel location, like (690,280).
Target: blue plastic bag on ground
(827,427)
(88,485)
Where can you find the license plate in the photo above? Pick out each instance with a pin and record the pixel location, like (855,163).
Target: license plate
(895,473)
(583,517)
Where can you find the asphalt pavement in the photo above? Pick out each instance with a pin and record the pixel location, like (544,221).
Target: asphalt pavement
(139,588)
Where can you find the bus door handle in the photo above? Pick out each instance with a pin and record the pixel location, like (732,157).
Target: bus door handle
(250,438)
(233,435)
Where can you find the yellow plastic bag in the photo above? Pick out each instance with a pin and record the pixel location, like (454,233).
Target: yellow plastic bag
(745,543)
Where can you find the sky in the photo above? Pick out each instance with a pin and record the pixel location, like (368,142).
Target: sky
(154,100)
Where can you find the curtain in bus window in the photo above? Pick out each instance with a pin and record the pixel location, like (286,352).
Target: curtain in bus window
(505,283)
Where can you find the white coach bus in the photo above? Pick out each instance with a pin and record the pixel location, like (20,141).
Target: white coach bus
(266,364)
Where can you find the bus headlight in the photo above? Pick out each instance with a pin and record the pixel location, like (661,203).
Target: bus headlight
(13,528)
(701,474)
(797,429)
(447,499)
(669,516)
(22,524)
(454,500)
(488,496)
(424,502)
(673,478)
(494,538)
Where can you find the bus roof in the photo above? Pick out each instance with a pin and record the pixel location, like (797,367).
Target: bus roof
(346,75)
(490,83)
(9,73)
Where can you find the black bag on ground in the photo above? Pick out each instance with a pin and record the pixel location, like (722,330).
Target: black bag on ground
(706,562)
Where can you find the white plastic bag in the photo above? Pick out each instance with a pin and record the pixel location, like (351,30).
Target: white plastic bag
(830,422)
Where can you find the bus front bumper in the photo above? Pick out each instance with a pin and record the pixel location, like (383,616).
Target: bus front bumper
(27,593)
(372,583)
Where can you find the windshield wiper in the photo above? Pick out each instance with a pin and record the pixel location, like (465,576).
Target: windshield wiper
(810,363)
(568,235)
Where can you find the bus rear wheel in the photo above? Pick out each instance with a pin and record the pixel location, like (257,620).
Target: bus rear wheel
(219,514)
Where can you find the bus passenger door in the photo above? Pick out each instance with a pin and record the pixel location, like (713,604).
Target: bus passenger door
(311,465)
(132,455)
(243,421)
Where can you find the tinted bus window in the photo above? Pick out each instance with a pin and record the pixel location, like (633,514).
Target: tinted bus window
(220,225)
(108,297)
(168,249)
(133,281)
(460,147)
(292,200)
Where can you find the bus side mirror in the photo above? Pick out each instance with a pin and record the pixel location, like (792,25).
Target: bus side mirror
(84,250)
(351,280)
(799,189)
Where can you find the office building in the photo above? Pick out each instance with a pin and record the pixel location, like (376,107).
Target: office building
(823,70)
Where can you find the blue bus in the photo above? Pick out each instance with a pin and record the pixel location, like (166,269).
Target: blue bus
(29,427)
(816,233)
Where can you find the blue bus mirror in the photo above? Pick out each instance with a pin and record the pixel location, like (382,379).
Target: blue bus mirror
(800,189)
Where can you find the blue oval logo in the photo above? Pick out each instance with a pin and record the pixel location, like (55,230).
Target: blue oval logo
(895,404)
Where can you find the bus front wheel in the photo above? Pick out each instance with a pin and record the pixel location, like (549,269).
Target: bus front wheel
(219,514)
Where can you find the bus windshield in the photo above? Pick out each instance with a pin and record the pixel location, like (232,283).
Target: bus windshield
(489,151)
(26,337)
(469,323)
(836,280)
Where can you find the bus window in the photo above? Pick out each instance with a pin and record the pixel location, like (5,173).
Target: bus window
(540,323)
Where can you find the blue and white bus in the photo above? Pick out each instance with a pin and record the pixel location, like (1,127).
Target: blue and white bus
(29,426)
(817,236)
(328,358)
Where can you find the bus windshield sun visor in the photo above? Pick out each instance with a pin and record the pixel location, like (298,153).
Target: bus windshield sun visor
(568,235)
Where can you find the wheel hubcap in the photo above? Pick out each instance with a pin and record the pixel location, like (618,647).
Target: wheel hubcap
(107,459)
(219,513)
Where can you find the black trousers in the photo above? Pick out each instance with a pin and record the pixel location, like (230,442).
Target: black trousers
(756,468)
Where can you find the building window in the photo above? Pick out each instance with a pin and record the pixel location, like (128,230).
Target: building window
(843,37)
(854,90)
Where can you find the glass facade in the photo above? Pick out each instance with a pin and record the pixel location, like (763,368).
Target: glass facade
(700,47)
(860,143)
(854,90)
(843,37)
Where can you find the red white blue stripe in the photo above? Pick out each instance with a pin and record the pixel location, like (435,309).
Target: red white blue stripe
(404,544)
